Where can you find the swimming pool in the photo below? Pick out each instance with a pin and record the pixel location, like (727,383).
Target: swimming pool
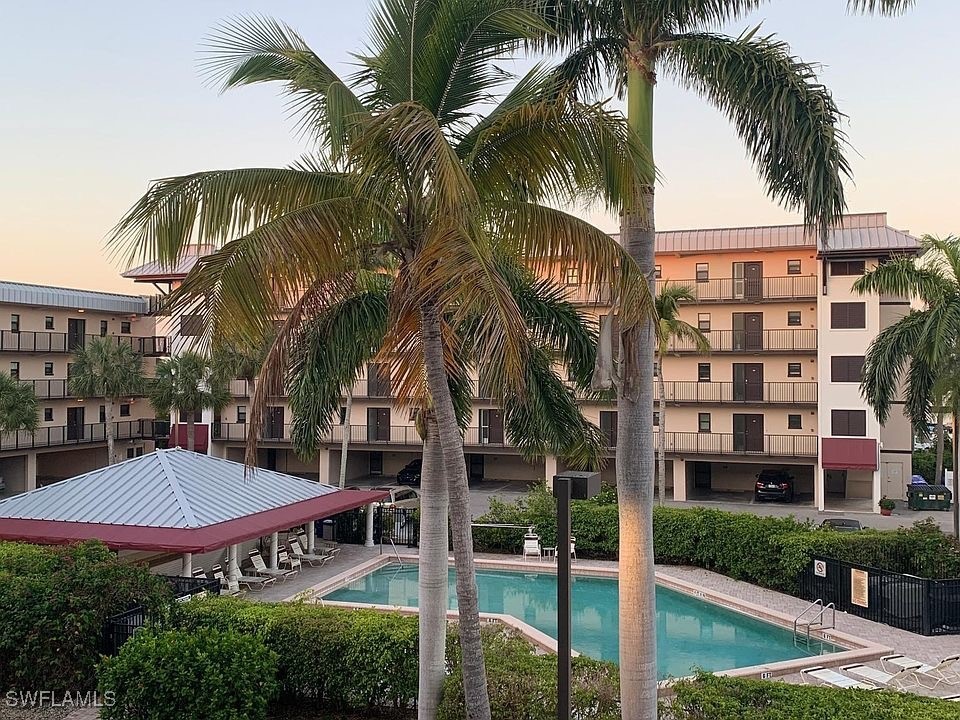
(691,633)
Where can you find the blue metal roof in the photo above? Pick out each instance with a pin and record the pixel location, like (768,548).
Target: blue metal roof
(57,297)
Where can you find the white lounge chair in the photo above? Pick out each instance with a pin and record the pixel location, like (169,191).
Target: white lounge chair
(261,567)
(819,675)
(573,547)
(227,586)
(531,546)
(309,558)
(902,679)
(199,573)
(284,559)
(947,671)
(321,547)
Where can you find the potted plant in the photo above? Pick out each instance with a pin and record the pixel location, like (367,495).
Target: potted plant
(886,505)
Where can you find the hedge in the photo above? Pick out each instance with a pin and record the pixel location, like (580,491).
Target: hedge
(329,657)
(767,551)
(54,603)
(200,674)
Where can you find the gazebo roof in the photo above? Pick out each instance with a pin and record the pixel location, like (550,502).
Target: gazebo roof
(172,500)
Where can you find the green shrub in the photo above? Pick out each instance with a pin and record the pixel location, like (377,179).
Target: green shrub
(54,603)
(523,685)
(200,674)
(925,463)
(328,656)
(710,698)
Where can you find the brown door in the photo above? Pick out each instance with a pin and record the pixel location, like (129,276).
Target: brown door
(747,433)
(274,428)
(75,426)
(747,331)
(608,427)
(76,333)
(753,280)
(748,382)
(491,427)
(378,424)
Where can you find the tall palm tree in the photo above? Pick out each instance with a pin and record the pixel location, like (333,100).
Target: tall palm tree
(788,122)
(188,384)
(19,409)
(409,170)
(103,368)
(920,348)
(670,327)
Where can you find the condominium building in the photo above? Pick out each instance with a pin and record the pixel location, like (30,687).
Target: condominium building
(40,329)
(779,388)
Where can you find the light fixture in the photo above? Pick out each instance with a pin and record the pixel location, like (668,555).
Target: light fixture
(80,310)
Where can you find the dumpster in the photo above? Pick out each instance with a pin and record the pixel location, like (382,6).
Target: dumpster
(928,497)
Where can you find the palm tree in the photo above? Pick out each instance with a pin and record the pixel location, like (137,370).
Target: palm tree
(19,409)
(787,120)
(670,327)
(103,368)
(188,384)
(922,346)
(407,170)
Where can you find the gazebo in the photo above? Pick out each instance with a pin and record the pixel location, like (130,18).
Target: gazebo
(177,501)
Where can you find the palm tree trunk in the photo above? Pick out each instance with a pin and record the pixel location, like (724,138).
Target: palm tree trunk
(191,433)
(635,452)
(956,475)
(454,466)
(433,574)
(345,443)
(938,478)
(661,434)
(109,430)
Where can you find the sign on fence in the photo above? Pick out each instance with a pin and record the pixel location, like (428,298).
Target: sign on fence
(859,588)
(820,568)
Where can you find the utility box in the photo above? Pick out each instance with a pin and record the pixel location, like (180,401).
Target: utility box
(583,485)
(928,497)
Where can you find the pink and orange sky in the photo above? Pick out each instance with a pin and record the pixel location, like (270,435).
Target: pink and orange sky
(99,98)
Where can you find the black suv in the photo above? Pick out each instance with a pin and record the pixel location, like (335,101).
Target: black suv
(410,474)
(773,485)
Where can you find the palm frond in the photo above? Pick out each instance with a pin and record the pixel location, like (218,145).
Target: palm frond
(903,277)
(887,357)
(19,408)
(106,368)
(687,15)
(886,7)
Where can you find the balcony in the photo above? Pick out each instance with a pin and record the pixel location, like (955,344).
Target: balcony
(695,443)
(55,389)
(722,393)
(767,289)
(83,434)
(29,341)
(791,340)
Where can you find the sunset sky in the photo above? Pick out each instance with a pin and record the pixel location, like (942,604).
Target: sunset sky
(100,97)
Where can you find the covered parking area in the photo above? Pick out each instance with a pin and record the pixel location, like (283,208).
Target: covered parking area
(177,501)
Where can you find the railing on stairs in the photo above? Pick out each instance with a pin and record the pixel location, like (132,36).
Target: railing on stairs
(813,617)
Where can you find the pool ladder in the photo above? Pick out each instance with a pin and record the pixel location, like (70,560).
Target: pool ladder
(814,617)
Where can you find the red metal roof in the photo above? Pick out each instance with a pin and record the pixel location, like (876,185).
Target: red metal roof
(848,453)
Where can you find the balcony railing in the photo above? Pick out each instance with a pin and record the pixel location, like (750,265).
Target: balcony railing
(788,287)
(747,341)
(773,393)
(55,389)
(361,389)
(54,342)
(83,434)
(696,443)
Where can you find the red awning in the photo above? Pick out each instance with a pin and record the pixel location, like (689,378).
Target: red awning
(178,436)
(848,453)
(192,540)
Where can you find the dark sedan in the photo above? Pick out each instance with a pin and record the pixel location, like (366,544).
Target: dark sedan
(410,473)
(773,485)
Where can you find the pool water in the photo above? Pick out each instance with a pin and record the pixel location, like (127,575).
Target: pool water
(691,633)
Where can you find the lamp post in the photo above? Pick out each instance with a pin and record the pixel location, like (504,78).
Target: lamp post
(566,487)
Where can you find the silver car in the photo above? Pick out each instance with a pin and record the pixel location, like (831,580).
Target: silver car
(400,497)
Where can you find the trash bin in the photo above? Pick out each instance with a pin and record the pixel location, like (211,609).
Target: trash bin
(928,497)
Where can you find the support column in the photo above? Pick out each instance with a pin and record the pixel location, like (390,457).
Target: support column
(186,568)
(30,472)
(877,489)
(549,469)
(323,463)
(311,528)
(819,486)
(679,480)
(370,510)
(233,562)
(274,546)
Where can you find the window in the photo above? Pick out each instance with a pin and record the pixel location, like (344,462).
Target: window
(242,413)
(656,419)
(48,414)
(794,422)
(69,370)
(104,326)
(124,410)
(343,416)
(852,423)
(793,318)
(847,267)
(608,427)
(15,370)
(793,267)
(703,322)
(197,416)
(139,452)
(48,368)
(848,315)
(656,369)
(125,327)
(130,454)
(14,323)
(846,368)
(703,422)
(794,370)
(190,326)
(103,414)
(703,372)
(657,273)
(48,322)
(703,272)
(573,276)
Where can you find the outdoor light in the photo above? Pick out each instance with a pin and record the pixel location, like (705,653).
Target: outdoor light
(567,486)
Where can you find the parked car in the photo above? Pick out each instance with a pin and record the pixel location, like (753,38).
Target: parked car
(773,485)
(400,497)
(410,474)
(842,524)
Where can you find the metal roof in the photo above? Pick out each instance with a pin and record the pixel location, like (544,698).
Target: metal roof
(16,293)
(163,271)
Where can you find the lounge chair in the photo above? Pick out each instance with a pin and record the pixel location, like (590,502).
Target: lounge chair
(320,547)
(819,675)
(531,546)
(261,568)
(902,679)
(573,547)
(227,586)
(199,573)
(947,671)
(309,558)
(952,698)
(292,562)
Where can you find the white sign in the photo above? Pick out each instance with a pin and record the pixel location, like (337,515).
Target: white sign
(820,568)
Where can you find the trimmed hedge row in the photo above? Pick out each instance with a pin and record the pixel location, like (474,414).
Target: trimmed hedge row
(53,604)
(767,551)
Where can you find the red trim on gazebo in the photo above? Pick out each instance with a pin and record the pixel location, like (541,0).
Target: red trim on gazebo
(188,540)
(848,453)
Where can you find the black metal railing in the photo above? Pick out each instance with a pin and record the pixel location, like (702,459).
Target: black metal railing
(922,605)
(697,443)
(773,393)
(58,342)
(402,525)
(787,287)
(51,436)
(785,340)
(57,389)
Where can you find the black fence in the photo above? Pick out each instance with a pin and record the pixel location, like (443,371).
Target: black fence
(120,628)
(400,524)
(917,604)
